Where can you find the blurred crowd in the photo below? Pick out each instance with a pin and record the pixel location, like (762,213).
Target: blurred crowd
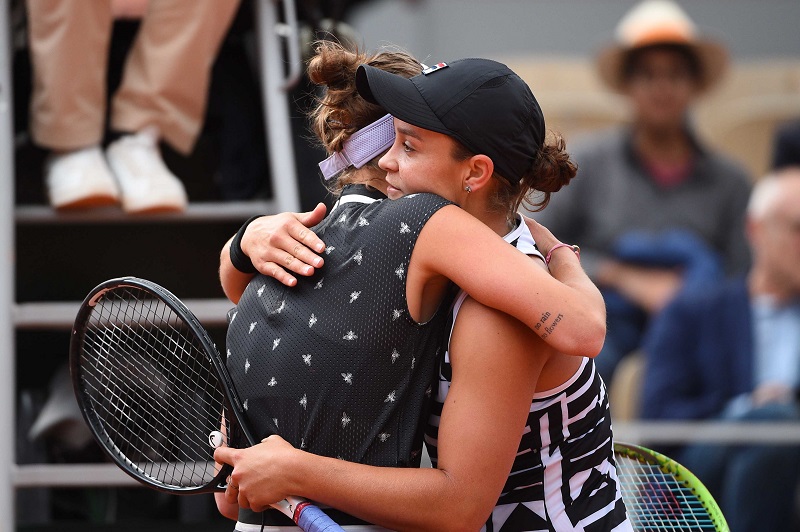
(699,268)
(698,261)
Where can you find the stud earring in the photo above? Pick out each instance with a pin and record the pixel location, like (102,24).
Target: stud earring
(468,189)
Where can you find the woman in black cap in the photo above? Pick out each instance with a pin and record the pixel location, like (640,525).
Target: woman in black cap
(495,372)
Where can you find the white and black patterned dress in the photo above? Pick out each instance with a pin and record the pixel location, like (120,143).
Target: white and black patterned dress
(564,477)
(336,365)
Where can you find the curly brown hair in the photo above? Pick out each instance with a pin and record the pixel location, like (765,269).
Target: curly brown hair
(340,110)
(552,170)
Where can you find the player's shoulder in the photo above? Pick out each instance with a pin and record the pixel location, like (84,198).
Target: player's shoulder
(423,198)
(414,206)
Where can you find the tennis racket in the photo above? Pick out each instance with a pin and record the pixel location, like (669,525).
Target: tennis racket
(156,394)
(661,494)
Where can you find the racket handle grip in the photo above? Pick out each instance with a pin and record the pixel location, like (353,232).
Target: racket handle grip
(311,519)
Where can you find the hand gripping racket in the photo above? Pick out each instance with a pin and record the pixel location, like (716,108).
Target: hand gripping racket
(156,394)
(661,494)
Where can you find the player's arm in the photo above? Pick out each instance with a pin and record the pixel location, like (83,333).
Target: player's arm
(277,245)
(494,376)
(565,309)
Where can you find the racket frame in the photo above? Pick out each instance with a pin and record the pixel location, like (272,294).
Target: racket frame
(231,402)
(677,471)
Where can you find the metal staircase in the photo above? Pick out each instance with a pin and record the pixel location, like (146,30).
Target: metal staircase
(280,67)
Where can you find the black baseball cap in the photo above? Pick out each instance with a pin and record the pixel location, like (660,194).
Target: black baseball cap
(481,103)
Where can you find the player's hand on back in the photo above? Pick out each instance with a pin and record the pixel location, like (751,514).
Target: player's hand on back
(280,245)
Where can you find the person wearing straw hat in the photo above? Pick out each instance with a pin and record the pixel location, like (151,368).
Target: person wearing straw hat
(654,211)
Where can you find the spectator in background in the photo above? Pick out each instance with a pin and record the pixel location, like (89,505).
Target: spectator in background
(786,151)
(732,352)
(162,95)
(653,210)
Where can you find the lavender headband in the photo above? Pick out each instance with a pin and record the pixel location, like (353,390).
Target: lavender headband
(363,146)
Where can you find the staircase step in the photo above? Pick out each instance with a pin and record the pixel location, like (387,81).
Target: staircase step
(70,475)
(202,212)
(61,314)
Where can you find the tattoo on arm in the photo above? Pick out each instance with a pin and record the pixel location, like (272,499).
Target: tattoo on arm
(550,326)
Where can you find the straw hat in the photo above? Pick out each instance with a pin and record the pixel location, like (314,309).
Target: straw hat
(654,22)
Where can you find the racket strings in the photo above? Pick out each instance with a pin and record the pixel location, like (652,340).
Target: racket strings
(137,417)
(153,388)
(657,500)
(147,433)
(144,374)
(116,390)
(149,413)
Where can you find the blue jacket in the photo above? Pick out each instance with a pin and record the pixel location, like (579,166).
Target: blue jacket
(699,353)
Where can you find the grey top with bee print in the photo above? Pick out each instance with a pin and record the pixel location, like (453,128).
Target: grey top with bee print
(336,365)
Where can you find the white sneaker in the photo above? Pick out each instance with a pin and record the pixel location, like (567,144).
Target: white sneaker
(147,184)
(80,179)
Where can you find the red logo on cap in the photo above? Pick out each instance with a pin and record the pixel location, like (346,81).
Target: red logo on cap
(434,68)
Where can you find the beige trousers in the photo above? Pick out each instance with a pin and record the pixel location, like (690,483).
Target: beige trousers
(165,78)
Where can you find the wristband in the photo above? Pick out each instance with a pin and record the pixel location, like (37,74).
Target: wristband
(573,247)
(239,258)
